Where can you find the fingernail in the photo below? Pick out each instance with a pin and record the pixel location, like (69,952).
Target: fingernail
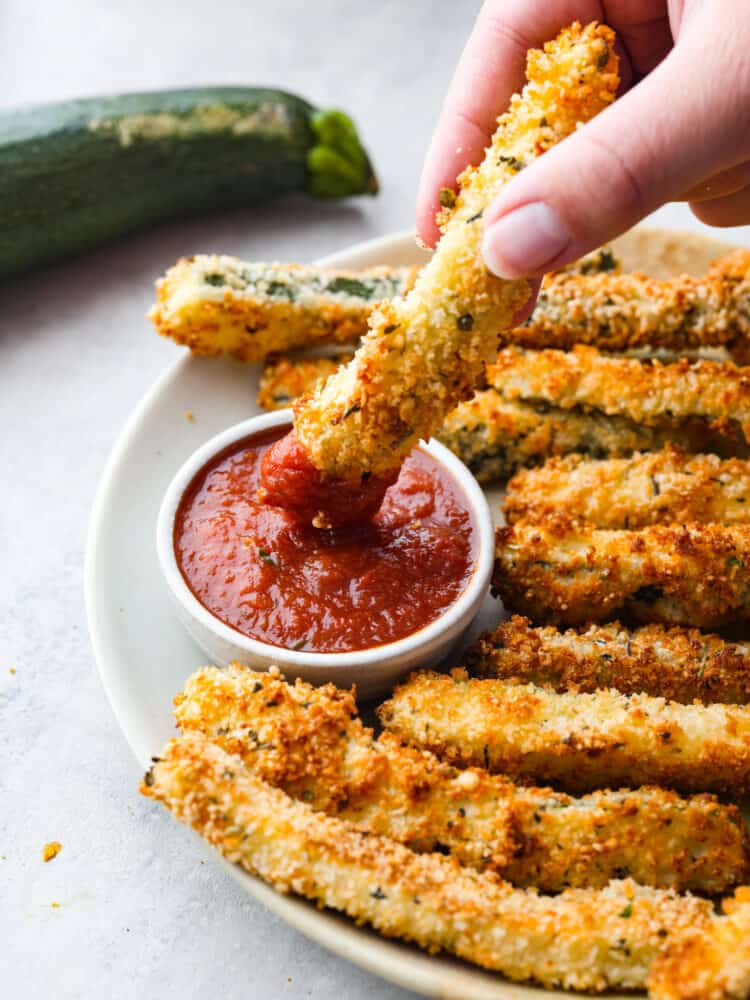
(523,241)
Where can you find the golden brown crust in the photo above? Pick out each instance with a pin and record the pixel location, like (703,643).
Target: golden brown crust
(309,742)
(681,664)
(710,963)
(425,353)
(581,939)
(662,487)
(495,436)
(626,311)
(580,741)
(216,304)
(644,391)
(285,379)
(564,572)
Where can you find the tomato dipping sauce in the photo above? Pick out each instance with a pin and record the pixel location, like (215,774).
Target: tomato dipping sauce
(274,577)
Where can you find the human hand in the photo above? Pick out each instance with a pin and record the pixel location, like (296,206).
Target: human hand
(679,131)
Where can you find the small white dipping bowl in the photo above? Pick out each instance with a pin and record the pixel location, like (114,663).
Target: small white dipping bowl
(373,670)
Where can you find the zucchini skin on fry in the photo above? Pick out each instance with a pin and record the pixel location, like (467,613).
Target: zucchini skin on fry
(310,742)
(661,487)
(712,962)
(644,391)
(576,741)
(563,572)
(221,305)
(681,664)
(582,939)
(623,312)
(425,353)
(495,436)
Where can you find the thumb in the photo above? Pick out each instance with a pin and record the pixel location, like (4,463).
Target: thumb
(682,123)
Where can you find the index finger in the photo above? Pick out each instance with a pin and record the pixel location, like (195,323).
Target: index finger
(489,72)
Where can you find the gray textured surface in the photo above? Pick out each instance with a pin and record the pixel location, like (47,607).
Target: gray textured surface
(140,915)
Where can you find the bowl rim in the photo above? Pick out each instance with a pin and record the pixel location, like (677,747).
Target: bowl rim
(446,623)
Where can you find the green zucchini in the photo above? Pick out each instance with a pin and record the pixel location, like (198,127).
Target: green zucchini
(76,174)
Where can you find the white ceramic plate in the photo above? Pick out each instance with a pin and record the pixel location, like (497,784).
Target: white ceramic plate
(144,654)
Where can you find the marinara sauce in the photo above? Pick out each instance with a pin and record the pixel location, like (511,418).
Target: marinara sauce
(276,578)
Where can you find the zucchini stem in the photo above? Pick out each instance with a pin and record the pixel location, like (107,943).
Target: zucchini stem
(337,163)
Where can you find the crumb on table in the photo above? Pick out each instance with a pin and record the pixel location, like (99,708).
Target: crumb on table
(50,851)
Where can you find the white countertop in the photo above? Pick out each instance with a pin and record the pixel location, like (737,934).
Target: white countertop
(140,914)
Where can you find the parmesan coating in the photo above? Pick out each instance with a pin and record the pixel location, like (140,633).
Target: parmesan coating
(582,939)
(220,305)
(681,664)
(712,962)
(646,391)
(627,311)
(663,487)
(579,741)
(309,742)
(496,436)
(286,379)
(565,572)
(426,352)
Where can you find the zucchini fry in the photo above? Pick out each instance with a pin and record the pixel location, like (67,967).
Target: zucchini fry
(627,311)
(580,741)
(582,939)
(564,572)
(286,379)
(221,305)
(711,963)
(310,742)
(426,352)
(681,664)
(495,437)
(662,487)
(644,391)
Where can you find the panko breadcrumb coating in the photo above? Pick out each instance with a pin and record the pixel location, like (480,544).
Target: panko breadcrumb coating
(565,572)
(604,739)
(220,305)
(712,962)
(646,391)
(285,379)
(588,939)
(495,436)
(662,487)
(623,312)
(310,742)
(681,664)
(426,352)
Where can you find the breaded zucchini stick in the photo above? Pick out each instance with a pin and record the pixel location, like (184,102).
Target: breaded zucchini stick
(310,742)
(582,939)
(426,352)
(222,305)
(644,391)
(626,311)
(495,436)
(564,572)
(681,664)
(662,487)
(580,741)
(712,962)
